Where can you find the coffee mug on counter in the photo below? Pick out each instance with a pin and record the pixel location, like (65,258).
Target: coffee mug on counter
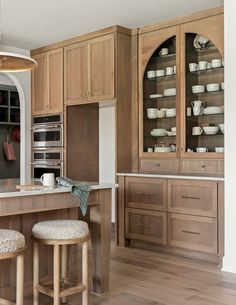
(197,131)
(48,179)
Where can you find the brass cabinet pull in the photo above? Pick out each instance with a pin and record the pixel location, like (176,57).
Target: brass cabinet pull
(158,164)
(203,165)
(143,193)
(190,197)
(191,232)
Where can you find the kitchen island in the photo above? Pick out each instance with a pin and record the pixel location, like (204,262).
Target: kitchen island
(22,207)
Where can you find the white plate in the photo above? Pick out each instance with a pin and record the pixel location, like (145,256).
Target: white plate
(155,95)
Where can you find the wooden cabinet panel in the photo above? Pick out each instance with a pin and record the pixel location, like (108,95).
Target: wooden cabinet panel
(193,233)
(159,166)
(101,68)
(146,225)
(76,73)
(39,85)
(214,167)
(55,66)
(193,197)
(146,193)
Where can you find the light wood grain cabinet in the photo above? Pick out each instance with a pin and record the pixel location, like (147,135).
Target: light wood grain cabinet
(89,70)
(47,83)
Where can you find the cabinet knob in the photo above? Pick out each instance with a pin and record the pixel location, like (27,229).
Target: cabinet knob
(158,164)
(203,165)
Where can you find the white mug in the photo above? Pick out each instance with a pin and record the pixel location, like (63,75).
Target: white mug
(201,149)
(219,149)
(189,110)
(150,149)
(151,74)
(169,70)
(164,51)
(197,131)
(202,65)
(193,67)
(216,63)
(48,179)
(197,111)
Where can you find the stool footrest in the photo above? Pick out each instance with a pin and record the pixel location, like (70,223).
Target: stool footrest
(6,302)
(63,293)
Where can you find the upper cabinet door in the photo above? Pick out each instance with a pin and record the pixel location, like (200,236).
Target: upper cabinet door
(101,68)
(159,68)
(55,76)
(39,85)
(76,73)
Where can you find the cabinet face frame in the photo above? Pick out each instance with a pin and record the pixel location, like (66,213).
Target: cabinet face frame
(148,43)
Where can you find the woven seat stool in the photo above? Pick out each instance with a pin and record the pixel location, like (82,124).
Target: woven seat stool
(12,245)
(60,234)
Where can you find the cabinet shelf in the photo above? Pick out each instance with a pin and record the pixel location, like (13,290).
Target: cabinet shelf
(164,57)
(160,98)
(208,93)
(207,135)
(10,123)
(204,115)
(155,137)
(218,69)
(162,78)
(166,117)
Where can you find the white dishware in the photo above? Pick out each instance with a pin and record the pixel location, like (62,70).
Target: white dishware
(150,149)
(222,128)
(161,113)
(213,87)
(174,69)
(164,51)
(173,129)
(197,103)
(222,86)
(171,112)
(223,62)
(189,111)
(158,132)
(201,149)
(216,63)
(169,70)
(211,130)
(197,111)
(209,65)
(162,149)
(152,113)
(213,110)
(171,133)
(156,95)
(198,89)
(197,107)
(193,67)
(202,65)
(170,92)
(197,131)
(219,149)
(48,179)
(160,73)
(151,74)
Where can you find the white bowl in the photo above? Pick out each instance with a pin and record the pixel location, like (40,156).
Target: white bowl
(161,114)
(156,95)
(152,113)
(198,89)
(222,86)
(160,73)
(213,87)
(170,92)
(171,112)
(213,110)
(210,130)
(151,74)
(158,132)
(222,128)
(171,133)
(162,149)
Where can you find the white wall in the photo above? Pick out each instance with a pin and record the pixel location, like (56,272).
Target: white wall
(22,80)
(107,149)
(229,262)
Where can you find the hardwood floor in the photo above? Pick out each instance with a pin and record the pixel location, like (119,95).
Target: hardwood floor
(140,277)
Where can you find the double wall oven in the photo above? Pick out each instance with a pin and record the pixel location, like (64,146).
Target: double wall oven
(47,145)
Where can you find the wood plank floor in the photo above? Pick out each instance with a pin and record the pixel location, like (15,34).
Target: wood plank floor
(140,277)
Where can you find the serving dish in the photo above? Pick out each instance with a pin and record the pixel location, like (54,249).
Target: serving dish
(198,89)
(212,87)
(211,130)
(156,95)
(162,149)
(213,110)
(170,92)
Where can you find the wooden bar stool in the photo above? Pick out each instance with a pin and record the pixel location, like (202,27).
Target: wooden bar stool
(12,244)
(60,234)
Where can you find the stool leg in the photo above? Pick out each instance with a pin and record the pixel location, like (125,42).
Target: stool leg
(56,274)
(36,273)
(20,280)
(85,272)
(64,266)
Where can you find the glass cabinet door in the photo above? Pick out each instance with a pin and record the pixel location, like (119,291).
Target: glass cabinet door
(204,101)
(159,101)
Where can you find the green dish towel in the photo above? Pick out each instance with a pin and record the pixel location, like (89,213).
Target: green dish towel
(80,191)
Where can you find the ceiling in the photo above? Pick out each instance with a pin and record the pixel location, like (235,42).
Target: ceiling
(30,24)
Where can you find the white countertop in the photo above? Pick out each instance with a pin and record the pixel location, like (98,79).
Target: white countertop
(171,176)
(8,188)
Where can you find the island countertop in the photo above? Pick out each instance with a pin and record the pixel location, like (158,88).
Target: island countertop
(13,188)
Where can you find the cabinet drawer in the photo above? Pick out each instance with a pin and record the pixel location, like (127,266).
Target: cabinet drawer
(146,225)
(146,193)
(159,165)
(214,167)
(193,197)
(192,233)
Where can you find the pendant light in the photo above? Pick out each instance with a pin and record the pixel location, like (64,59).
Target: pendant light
(13,62)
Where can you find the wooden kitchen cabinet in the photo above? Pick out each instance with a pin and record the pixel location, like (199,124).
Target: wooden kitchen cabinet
(169,134)
(89,70)
(47,83)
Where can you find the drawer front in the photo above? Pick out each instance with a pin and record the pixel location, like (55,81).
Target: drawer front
(146,193)
(205,167)
(159,166)
(192,233)
(193,197)
(146,225)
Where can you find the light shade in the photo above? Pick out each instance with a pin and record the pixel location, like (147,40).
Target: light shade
(12,62)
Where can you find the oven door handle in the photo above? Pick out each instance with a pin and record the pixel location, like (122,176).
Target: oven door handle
(47,163)
(45,127)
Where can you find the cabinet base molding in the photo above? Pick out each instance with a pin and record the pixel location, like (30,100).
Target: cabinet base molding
(214,259)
